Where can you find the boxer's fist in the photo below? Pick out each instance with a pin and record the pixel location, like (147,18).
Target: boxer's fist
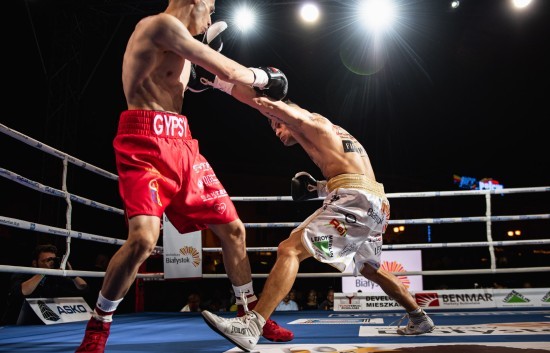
(305,187)
(276,86)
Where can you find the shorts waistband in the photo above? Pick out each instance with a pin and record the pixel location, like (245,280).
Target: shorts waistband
(154,123)
(356,181)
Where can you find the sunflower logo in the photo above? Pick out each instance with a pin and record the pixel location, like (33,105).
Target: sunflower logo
(396,267)
(194,253)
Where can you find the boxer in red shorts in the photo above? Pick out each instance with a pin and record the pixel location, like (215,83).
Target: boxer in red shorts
(158,162)
(173,178)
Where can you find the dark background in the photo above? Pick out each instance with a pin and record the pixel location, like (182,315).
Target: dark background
(460,92)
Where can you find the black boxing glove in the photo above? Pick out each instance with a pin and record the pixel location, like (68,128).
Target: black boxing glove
(305,187)
(270,82)
(201,79)
(213,37)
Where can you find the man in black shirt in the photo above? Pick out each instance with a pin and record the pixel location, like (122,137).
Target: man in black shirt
(40,286)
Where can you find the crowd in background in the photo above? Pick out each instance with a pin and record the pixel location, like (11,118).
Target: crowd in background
(294,300)
(202,294)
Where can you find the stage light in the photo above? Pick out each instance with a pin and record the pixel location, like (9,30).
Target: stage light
(520,4)
(309,12)
(244,18)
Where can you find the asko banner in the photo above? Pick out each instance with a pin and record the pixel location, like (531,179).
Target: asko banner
(54,310)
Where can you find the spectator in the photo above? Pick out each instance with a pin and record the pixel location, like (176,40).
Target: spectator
(328,303)
(40,286)
(311,300)
(296,296)
(287,304)
(193,303)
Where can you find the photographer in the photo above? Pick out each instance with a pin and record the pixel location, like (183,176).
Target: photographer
(41,286)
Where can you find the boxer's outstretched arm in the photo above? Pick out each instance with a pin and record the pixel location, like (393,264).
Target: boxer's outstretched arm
(277,111)
(167,32)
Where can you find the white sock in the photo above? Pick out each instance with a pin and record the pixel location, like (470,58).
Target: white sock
(248,292)
(106,305)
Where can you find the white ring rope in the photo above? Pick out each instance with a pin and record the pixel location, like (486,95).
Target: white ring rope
(402,195)
(69,233)
(66,273)
(421,246)
(17,223)
(36,227)
(55,192)
(489,231)
(68,214)
(50,150)
(408,273)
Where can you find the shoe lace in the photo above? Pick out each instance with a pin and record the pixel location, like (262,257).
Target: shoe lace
(399,321)
(244,299)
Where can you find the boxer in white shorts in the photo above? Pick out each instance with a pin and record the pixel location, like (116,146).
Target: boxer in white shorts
(349,226)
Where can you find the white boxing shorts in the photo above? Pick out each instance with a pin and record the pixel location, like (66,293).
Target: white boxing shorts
(350,224)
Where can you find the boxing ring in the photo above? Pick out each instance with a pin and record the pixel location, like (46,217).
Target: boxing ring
(506,330)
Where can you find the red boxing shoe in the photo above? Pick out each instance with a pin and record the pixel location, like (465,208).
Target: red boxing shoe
(271,331)
(95,337)
(275,333)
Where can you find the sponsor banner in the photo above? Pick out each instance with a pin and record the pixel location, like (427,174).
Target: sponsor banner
(456,299)
(483,298)
(523,297)
(347,321)
(182,252)
(57,310)
(493,329)
(392,261)
(364,301)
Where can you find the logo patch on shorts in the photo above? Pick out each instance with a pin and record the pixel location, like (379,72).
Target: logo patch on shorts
(220,208)
(154,190)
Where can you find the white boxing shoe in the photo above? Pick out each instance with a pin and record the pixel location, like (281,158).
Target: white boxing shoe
(417,325)
(244,331)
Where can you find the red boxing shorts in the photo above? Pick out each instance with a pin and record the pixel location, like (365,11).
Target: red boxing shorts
(161,170)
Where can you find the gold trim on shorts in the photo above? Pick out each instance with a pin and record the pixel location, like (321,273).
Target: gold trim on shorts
(356,181)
